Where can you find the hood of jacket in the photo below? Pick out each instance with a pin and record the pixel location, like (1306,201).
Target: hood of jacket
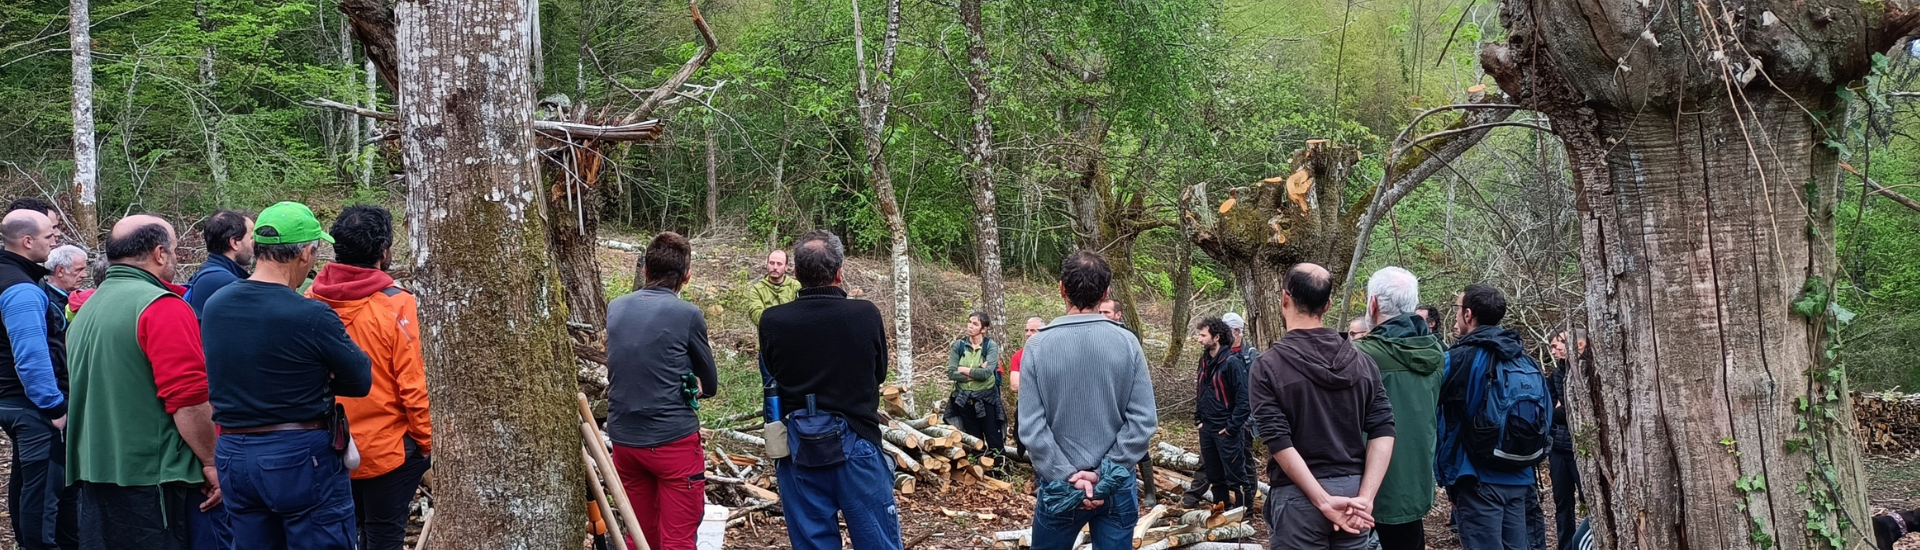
(1404,343)
(1501,341)
(340,283)
(1320,355)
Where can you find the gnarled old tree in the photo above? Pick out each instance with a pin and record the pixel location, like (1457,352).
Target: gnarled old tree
(1706,200)
(1260,231)
(507,469)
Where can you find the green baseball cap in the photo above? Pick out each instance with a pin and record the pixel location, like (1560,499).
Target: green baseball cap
(286,223)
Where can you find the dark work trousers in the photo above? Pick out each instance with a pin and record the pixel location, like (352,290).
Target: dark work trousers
(210,529)
(1565,474)
(1198,490)
(146,517)
(380,503)
(41,505)
(1402,536)
(285,490)
(1224,457)
(987,420)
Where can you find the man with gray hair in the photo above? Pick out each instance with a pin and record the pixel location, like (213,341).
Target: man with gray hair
(1410,358)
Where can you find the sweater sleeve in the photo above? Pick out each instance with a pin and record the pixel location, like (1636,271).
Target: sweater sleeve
(989,361)
(170,336)
(953,362)
(1142,416)
(1269,419)
(756,302)
(23,307)
(700,356)
(1379,418)
(352,369)
(411,377)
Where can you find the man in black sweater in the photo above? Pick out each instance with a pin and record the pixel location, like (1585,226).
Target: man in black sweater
(1220,413)
(831,351)
(1320,406)
(275,361)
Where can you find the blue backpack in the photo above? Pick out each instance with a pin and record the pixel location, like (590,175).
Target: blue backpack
(1509,415)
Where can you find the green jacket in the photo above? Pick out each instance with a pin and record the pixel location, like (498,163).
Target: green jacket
(763,294)
(985,362)
(1410,359)
(119,431)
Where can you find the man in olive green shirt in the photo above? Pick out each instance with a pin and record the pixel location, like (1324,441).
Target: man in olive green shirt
(777,288)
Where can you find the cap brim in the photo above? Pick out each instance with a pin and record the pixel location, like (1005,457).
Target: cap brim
(326,237)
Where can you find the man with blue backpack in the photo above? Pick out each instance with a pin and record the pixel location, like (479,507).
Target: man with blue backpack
(1495,413)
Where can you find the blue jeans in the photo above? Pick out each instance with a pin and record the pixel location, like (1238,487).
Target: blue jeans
(1112,523)
(285,490)
(860,490)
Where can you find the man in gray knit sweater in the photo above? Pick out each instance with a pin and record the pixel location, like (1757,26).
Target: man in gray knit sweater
(1086,413)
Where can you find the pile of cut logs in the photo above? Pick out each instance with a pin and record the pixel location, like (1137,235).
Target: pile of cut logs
(1889,423)
(1166,527)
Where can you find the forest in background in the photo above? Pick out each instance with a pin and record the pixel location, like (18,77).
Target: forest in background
(199,106)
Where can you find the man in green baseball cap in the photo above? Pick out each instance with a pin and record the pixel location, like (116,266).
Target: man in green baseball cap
(275,362)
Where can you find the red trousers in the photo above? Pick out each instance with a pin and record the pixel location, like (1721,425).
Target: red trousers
(667,485)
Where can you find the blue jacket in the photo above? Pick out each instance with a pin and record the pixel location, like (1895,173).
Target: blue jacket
(217,273)
(28,367)
(1450,460)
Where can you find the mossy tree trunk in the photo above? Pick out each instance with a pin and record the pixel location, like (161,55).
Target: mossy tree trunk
(507,472)
(1713,417)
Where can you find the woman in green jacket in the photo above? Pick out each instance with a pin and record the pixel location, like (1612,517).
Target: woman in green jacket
(974,366)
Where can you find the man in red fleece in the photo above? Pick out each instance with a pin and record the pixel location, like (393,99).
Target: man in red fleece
(391,425)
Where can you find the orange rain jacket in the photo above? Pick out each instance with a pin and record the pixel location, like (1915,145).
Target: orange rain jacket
(384,320)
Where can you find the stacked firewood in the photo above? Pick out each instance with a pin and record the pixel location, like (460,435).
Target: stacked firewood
(1889,423)
(1166,527)
(1176,466)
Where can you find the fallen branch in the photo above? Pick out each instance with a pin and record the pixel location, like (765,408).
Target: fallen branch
(557,130)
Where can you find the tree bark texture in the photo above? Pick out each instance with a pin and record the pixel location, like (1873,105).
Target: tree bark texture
(86,157)
(875,100)
(210,119)
(1708,420)
(500,365)
(979,151)
(713,181)
(1182,285)
(1283,221)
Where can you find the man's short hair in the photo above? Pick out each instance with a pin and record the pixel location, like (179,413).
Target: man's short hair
(1397,289)
(667,260)
(68,256)
(19,227)
(281,253)
(1084,276)
(1311,290)
(817,258)
(1488,304)
(1218,328)
(35,204)
(222,228)
(137,244)
(361,235)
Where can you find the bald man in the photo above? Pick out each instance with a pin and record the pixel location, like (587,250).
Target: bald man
(142,436)
(33,385)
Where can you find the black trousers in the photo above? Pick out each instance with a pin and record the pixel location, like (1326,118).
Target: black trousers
(1565,474)
(40,503)
(144,517)
(1224,458)
(990,429)
(1402,536)
(380,503)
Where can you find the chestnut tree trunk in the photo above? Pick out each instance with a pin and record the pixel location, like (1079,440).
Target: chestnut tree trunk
(1714,416)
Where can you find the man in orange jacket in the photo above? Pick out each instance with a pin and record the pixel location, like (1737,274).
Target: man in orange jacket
(390,425)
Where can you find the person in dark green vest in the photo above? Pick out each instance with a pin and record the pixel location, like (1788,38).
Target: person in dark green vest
(140,433)
(1410,357)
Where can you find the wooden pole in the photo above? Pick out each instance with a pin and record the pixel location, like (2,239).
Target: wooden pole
(598,452)
(426,526)
(600,499)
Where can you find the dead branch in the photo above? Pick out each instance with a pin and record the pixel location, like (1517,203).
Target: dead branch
(665,90)
(553,129)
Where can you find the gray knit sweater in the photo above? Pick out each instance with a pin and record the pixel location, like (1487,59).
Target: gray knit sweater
(1084,396)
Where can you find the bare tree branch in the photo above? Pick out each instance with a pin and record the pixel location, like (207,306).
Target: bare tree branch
(666,89)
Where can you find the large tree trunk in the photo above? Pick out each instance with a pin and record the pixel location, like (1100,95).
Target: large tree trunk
(506,467)
(875,100)
(86,157)
(1712,417)
(979,151)
(1182,276)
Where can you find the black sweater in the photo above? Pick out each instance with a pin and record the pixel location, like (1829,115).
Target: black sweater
(1220,392)
(1315,392)
(274,356)
(832,347)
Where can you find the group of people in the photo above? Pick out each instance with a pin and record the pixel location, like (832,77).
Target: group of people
(250,408)
(1360,427)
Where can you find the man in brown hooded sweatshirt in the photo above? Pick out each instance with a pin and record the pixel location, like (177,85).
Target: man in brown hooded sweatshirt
(1319,405)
